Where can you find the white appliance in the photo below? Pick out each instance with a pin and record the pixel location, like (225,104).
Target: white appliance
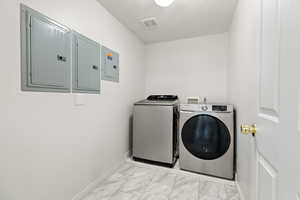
(207,139)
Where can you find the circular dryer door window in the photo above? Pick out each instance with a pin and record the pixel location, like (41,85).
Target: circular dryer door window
(206,137)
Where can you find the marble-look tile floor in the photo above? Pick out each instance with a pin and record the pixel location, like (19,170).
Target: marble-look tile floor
(134,181)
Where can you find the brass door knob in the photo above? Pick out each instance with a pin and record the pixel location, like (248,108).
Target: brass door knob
(248,129)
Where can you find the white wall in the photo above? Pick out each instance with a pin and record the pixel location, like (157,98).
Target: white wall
(242,86)
(189,67)
(51,149)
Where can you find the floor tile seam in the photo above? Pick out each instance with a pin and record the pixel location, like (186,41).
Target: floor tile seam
(131,172)
(173,186)
(153,182)
(119,190)
(198,190)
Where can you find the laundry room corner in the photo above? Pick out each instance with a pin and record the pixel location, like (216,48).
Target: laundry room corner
(243,69)
(204,61)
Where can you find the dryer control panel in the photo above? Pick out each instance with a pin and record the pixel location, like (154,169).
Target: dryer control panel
(226,108)
(221,108)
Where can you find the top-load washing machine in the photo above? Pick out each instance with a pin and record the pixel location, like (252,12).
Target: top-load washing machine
(207,139)
(155,129)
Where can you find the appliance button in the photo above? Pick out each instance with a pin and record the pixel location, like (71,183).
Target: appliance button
(204,108)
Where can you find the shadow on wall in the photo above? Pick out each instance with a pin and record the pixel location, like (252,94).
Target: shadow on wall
(130,135)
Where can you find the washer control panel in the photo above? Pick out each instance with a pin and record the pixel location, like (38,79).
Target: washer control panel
(221,108)
(204,108)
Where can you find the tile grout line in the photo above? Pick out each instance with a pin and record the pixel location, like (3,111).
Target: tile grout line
(172,188)
(198,190)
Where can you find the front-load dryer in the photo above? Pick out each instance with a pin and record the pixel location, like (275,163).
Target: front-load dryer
(207,139)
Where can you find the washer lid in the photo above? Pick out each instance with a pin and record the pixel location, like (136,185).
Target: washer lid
(162,97)
(157,103)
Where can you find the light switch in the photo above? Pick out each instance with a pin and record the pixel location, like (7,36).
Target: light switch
(79,99)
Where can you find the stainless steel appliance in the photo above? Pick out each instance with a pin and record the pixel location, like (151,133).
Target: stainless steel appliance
(207,139)
(155,129)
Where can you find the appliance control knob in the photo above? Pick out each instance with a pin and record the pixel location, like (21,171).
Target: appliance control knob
(204,108)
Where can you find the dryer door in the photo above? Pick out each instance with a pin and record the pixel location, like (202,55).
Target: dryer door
(206,137)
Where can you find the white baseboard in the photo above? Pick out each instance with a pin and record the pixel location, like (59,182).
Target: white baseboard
(91,186)
(239,188)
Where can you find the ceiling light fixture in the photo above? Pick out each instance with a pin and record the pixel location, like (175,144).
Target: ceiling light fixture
(164,3)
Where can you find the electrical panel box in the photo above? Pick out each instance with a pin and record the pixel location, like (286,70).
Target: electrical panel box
(109,65)
(45,53)
(86,65)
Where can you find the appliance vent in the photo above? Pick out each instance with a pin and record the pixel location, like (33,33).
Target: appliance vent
(149,23)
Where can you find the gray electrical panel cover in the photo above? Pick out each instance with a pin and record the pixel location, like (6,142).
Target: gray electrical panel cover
(45,53)
(109,65)
(86,65)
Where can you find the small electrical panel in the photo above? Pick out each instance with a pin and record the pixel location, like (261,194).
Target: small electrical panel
(86,65)
(45,53)
(109,65)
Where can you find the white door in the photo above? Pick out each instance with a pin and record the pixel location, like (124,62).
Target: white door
(278,130)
